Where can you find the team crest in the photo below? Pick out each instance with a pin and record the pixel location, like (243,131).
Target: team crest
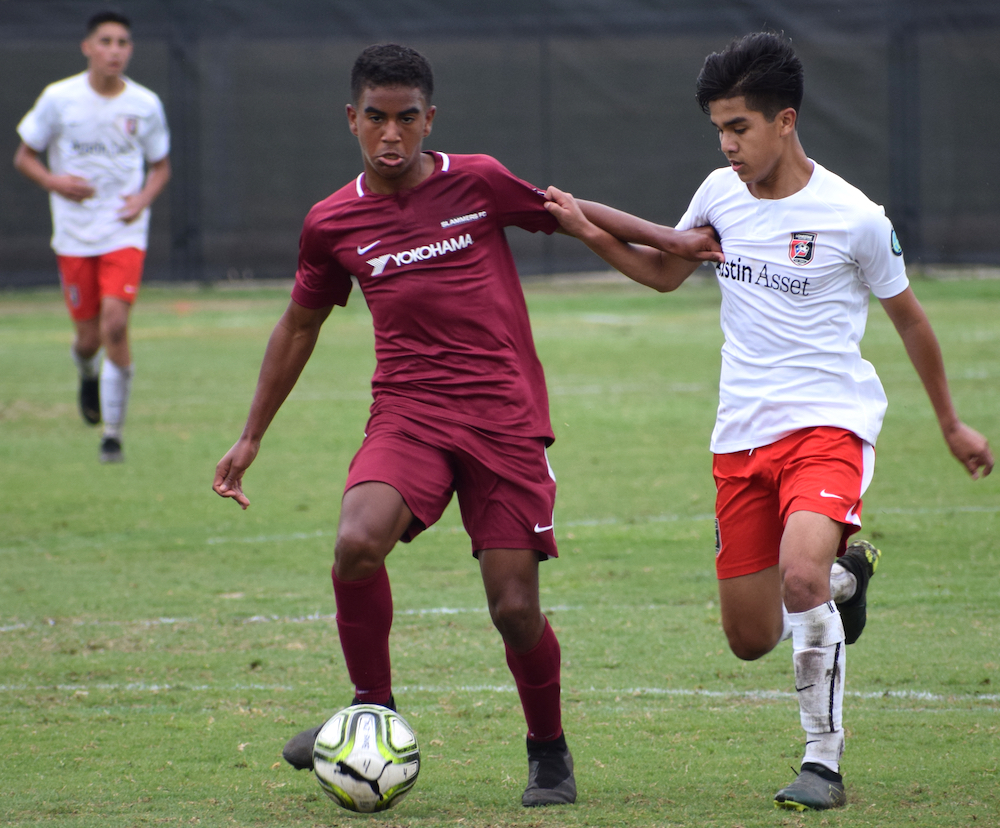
(802,247)
(129,124)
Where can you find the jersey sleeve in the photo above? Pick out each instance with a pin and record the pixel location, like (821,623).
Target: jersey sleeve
(320,281)
(879,256)
(696,214)
(518,203)
(156,141)
(38,127)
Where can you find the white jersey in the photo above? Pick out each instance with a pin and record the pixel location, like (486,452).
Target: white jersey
(107,141)
(795,288)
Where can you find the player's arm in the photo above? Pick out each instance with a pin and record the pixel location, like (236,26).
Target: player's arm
(288,350)
(598,227)
(28,162)
(156,179)
(967,444)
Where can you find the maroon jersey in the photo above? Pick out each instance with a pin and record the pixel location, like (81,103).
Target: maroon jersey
(452,337)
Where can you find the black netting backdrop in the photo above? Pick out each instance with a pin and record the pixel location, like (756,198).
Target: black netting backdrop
(595,96)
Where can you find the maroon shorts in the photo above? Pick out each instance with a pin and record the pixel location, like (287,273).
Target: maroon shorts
(86,280)
(824,470)
(505,485)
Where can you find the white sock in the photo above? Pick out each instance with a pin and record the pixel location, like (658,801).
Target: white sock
(786,625)
(87,368)
(116,383)
(843,584)
(819,658)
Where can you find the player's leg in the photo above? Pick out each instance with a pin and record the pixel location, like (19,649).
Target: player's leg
(373,517)
(78,277)
(510,577)
(506,490)
(119,275)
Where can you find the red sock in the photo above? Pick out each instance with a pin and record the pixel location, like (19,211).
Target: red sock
(364,618)
(536,674)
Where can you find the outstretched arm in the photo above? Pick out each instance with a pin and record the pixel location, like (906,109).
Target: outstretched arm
(967,444)
(661,258)
(288,350)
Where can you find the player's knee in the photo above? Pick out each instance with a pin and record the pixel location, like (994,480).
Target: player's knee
(750,643)
(357,555)
(516,616)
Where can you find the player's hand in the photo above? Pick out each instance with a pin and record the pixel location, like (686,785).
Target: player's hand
(132,208)
(700,244)
(564,207)
(229,473)
(971,449)
(72,187)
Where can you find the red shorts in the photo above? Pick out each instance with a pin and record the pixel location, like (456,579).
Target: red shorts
(505,485)
(88,279)
(824,470)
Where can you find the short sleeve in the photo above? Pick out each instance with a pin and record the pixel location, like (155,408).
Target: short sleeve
(320,281)
(696,213)
(38,127)
(156,143)
(880,256)
(519,204)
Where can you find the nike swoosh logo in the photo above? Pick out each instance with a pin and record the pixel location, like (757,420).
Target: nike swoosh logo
(540,529)
(801,689)
(363,250)
(825,493)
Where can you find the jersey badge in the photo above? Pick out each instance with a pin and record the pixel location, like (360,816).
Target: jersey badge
(802,248)
(897,249)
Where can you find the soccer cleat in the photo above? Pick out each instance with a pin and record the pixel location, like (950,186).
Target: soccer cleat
(90,401)
(111,450)
(816,788)
(861,560)
(298,750)
(550,774)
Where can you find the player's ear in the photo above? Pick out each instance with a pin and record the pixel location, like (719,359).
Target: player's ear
(429,119)
(352,118)
(787,120)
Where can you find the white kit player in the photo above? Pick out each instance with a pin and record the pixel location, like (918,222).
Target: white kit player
(799,409)
(102,131)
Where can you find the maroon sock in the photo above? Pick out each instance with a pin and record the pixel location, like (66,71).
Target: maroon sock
(364,618)
(536,674)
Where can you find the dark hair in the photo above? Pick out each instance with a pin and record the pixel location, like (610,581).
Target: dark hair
(107,17)
(389,64)
(762,67)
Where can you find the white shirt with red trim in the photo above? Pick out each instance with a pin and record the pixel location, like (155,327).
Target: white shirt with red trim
(795,288)
(106,141)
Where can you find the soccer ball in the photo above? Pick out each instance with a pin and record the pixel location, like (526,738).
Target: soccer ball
(366,758)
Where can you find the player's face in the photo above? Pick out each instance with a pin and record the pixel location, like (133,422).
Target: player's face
(391,123)
(108,49)
(753,145)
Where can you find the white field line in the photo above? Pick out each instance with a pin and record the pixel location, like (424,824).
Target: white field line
(617,693)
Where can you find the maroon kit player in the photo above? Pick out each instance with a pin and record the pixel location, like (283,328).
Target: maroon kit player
(460,404)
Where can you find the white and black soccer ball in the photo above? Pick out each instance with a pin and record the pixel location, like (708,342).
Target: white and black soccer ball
(366,758)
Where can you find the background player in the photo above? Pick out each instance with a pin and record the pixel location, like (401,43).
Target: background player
(799,408)
(101,130)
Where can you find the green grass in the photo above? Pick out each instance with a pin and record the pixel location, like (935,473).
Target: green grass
(158,645)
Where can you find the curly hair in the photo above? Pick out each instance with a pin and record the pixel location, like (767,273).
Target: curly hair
(389,64)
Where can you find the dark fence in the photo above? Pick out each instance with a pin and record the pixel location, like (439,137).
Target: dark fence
(595,96)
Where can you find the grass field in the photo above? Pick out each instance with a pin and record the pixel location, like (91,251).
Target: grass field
(158,645)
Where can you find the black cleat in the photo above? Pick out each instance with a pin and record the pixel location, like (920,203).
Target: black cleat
(550,774)
(861,560)
(90,401)
(298,750)
(111,450)
(816,788)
